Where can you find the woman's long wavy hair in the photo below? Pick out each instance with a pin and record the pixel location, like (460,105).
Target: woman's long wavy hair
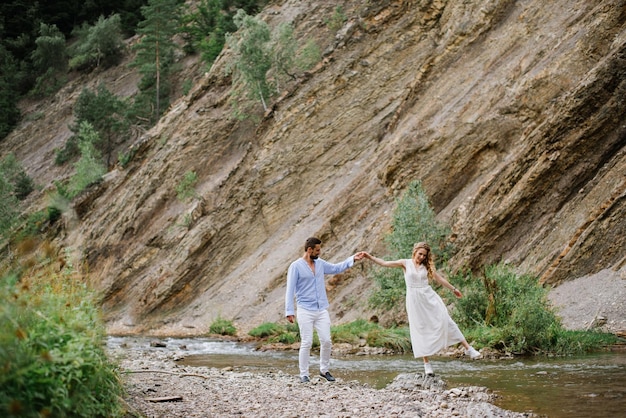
(429,261)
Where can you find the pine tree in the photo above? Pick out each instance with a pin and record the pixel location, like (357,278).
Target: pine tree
(49,59)
(155,54)
(106,113)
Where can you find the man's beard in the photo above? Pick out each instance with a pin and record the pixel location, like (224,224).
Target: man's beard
(314,257)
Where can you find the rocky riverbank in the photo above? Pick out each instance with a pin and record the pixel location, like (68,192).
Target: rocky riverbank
(155,376)
(157,386)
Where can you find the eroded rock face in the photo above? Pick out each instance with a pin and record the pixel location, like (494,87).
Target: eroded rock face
(511,113)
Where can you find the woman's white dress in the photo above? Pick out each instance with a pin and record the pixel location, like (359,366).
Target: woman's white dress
(430,324)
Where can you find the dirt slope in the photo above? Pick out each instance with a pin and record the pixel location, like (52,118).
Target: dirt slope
(509,112)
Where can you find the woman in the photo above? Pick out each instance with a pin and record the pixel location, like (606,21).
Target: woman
(430,325)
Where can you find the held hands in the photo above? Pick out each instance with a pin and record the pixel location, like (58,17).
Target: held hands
(359,256)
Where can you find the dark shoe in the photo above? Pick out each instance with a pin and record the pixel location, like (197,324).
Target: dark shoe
(304,379)
(327,376)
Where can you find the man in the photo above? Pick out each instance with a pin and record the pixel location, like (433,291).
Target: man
(305,280)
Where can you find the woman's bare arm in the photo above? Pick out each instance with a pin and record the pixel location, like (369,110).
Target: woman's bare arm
(381,262)
(445,283)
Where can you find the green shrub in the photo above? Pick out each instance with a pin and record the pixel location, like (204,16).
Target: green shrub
(49,60)
(185,189)
(352,332)
(51,350)
(8,209)
(37,222)
(222,327)
(9,92)
(374,335)
(277,333)
(397,339)
(308,56)
(89,168)
(124,158)
(511,312)
(286,338)
(69,151)
(413,221)
(106,113)
(266,329)
(14,173)
(98,45)
(337,19)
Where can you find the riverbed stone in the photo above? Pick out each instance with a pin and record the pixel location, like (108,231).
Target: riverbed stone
(212,392)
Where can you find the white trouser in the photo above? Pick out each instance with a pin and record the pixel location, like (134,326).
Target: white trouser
(320,320)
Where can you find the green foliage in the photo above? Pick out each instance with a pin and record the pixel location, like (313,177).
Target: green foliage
(98,45)
(283,51)
(413,221)
(277,333)
(15,185)
(9,209)
(205,27)
(49,60)
(69,151)
(89,168)
(124,158)
(20,27)
(14,173)
(264,59)
(37,222)
(106,114)
(185,189)
(511,312)
(352,332)
(253,56)
(155,55)
(396,339)
(308,56)
(222,327)
(187,85)
(9,95)
(390,292)
(337,19)
(51,349)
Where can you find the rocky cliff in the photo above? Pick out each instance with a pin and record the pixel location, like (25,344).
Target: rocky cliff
(511,113)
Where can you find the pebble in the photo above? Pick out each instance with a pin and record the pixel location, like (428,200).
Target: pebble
(211,392)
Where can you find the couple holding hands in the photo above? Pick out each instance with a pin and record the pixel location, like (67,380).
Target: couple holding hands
(430,325)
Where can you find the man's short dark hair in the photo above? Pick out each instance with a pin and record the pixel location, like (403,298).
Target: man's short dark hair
(311,243)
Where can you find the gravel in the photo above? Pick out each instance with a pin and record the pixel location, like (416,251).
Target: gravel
(594,301)
(151,377)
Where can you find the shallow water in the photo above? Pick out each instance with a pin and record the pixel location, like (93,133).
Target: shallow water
(583,386)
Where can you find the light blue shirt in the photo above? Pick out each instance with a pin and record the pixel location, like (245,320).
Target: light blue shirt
(309,289)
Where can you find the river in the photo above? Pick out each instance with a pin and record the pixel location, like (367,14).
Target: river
(587,386)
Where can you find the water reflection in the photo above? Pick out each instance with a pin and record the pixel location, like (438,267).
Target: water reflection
(587,386)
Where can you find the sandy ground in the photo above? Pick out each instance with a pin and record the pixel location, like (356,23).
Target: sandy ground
(598,300)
